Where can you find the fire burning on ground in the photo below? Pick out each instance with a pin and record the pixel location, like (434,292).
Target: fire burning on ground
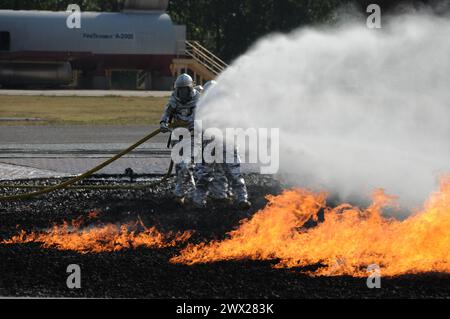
(345,243)
(120,257)
(96,239)
(349,240)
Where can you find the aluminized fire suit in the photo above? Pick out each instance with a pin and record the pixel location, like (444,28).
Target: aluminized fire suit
(219,181)
(181,109)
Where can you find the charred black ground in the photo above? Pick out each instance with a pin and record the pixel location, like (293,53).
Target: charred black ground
(29,270)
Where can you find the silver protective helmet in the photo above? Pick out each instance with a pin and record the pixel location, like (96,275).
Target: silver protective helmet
(199,88)
(184,88)
(208,85)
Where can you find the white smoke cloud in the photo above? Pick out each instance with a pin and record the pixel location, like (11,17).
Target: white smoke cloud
(357,108)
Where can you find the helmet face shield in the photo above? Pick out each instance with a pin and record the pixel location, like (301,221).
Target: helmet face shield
(184,93)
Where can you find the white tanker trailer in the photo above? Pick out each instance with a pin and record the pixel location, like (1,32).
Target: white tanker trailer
(42,48)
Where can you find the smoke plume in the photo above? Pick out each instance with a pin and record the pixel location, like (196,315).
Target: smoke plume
(357,108)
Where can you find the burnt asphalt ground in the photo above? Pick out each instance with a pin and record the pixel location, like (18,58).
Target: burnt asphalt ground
(28,270)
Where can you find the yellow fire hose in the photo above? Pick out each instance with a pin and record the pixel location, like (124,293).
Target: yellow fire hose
(68,184)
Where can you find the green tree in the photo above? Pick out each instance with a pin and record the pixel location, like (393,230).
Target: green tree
(230,27)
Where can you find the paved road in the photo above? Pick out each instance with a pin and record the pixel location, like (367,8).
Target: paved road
(74,134)
(8,172)
(46,151)
(92,93)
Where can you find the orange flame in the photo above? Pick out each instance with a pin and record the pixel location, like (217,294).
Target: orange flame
(104,238)
(346,243)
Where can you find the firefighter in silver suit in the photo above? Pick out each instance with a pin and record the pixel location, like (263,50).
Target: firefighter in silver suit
(220,181)
(181,109)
